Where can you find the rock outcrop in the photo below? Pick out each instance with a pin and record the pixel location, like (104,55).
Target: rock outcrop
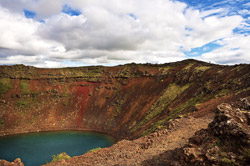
(227,139)
(16,162)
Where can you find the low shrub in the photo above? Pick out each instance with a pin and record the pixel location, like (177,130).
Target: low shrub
(59,157)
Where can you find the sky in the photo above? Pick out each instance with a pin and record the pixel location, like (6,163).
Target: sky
(65,33)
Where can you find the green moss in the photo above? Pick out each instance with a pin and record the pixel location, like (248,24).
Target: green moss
(36,100)
(34,118)
(246,152)
(222,92)
(132,125)
(93,150)
(168,95)
(188,67)
(173,115)
(126,72)
(117,86)
(65,103)
(2,123)
(5,85)
(164,70)
(119,104)
(238,68)
(60,156)
(23,103)
(24,87)
(228,162)
(90,73)
(191,102)
(242,90)
(201,68)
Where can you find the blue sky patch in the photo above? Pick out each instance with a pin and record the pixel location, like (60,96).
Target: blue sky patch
(70,11)
(198,51)
(29,14)
(42,21)
(133,16)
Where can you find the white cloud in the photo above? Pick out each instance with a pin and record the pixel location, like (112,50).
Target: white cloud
(247,4)
(236,49)
(44,8)
(19,34)
(105,33)
(244,12)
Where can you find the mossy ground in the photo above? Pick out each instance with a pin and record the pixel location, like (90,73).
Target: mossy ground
(60,156)
(93,150)
(5,85)
(24,87)
(23,103)
(168,95)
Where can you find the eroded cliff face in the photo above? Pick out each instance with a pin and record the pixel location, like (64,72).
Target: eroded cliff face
(126,101)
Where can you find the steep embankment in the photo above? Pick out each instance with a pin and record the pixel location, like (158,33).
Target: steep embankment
(126,101)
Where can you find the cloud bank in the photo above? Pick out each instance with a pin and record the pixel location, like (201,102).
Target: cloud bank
(110,32)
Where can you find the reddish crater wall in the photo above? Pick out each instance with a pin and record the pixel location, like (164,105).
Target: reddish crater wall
(124,101)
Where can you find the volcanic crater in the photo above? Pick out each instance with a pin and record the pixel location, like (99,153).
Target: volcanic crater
(129,102)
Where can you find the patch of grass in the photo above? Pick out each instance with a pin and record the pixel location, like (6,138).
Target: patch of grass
(191,102)
(165,69)
(201,68)
(173,115)
(228,162)
(93,150)
(5,85)
(246,152)
(23,103)
(168,95)
(119,104)
(59,157)
(24,87)
(117,87)
(86,73)
(242,90)
(2,123)
(237,68)
(34,118)
(36,100)
(222,92)
(188,66)
(126,72)
(65,103)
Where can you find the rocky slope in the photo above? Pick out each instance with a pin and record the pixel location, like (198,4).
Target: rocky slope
(127,102)
(145,150)
(224,142)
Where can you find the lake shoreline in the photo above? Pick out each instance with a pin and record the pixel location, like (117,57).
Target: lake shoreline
(12,133)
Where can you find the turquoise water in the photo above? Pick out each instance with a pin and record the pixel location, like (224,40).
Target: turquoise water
(37,148)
